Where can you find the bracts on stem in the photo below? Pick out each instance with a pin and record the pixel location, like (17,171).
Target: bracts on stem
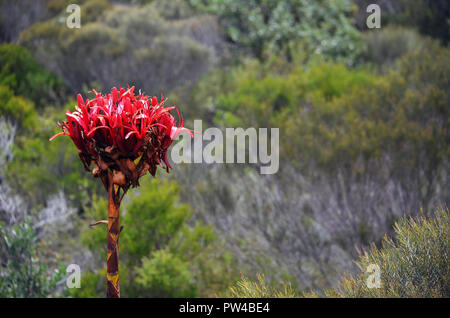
(112,262)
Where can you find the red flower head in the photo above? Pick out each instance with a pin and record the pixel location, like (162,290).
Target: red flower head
(122,134)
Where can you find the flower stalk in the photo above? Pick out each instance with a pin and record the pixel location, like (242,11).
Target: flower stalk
(123,136)
(112,260)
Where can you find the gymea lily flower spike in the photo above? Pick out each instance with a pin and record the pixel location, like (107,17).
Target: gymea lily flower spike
(123,136)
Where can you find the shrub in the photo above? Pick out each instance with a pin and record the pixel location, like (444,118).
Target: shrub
(173,9)
(23,275)
(246,288)
(383,47)
(165,253)
(166,275)
(120,44)
(17,109)
(155,212)
(323,26)
(332,117)
(255,95)
(413,264)
(25,77)
(40,168)
(358,150)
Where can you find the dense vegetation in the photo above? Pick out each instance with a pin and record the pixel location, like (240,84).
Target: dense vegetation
(364,144)
(413,264)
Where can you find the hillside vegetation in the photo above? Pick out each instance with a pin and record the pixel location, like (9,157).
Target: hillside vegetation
(363,117)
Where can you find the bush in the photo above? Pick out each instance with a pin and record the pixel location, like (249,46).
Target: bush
(22,274)
(41,167)
(165,275)
(246,288)
(358,150)
(154,217)
(413,264)
(161,254)
(120,45)
(25,77)
(383,47)
(16,109)
(173,9)
(324,27)
(254,95)
(333,117)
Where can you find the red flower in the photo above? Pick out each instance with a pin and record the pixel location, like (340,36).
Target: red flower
(114,130)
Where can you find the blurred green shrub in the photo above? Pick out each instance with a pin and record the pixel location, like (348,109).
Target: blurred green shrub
(330,115)
(413,264)
(154,217)
(162,253)
(325,27)
(22,274)
(41,168)
(92,10)
(429,17)
(165,275)
(173,9)
(246,288)
(254,93)
(22,74)
(155,47)
(17,109)
(383,47)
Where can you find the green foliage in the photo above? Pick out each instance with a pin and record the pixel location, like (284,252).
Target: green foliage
(23,275)
(41,167)
(173,9)
(161,254)
(246,288)
(92,10)
(256,93)
(413,264)
(92,285)
(154,216)
(331,116)
(316,79)
(16,109)
(352,127)
(325,27)
(166,275)
(21,73)
(168,49)
(383,47)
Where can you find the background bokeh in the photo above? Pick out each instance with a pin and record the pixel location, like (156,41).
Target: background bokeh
(364,141)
